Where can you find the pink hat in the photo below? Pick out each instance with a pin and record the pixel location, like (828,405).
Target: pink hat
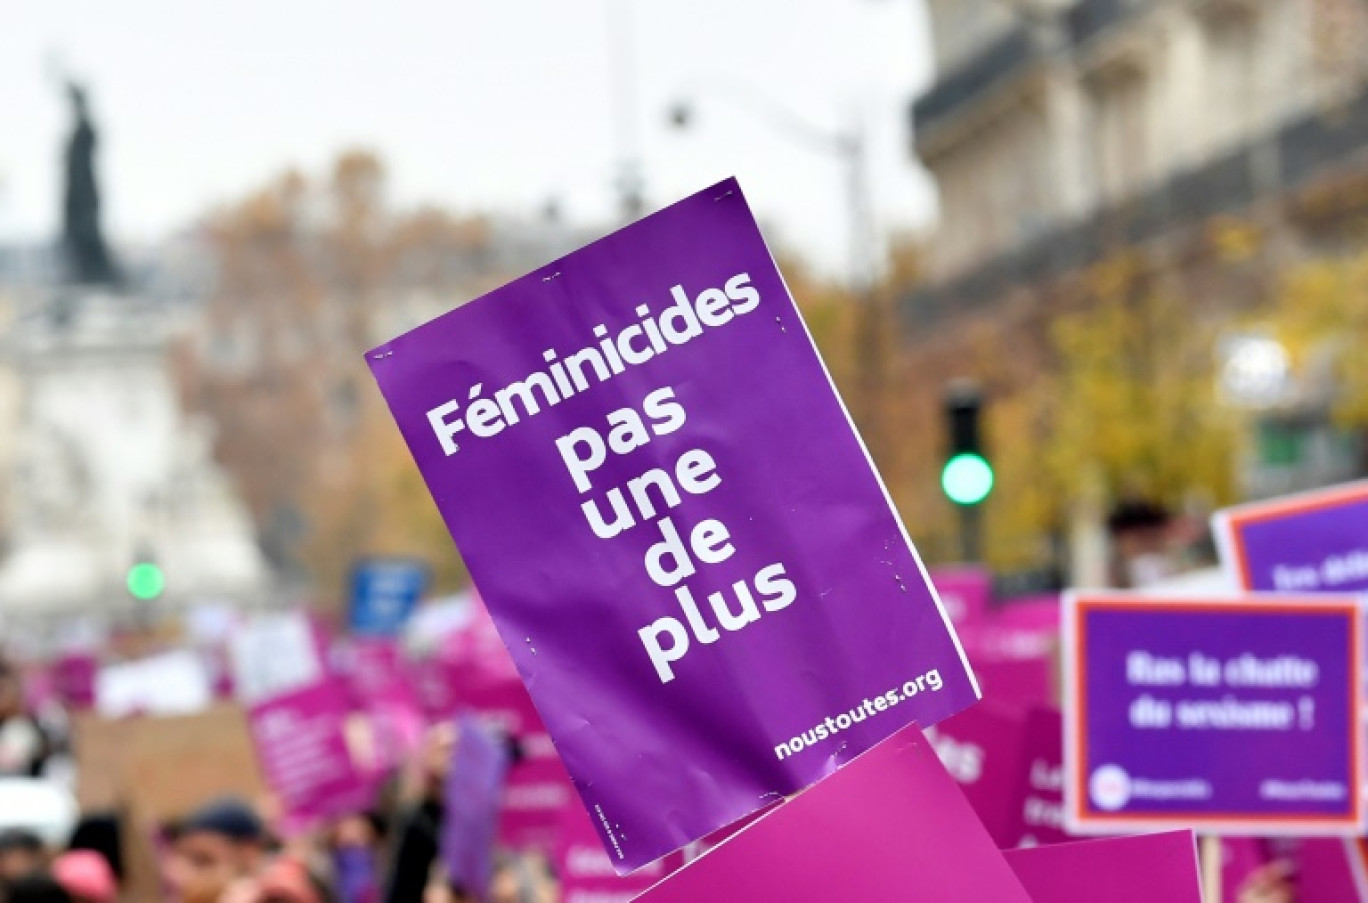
(85,874)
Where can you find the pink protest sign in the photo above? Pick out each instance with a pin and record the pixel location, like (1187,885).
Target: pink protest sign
(647,468)
(585,871)
(891,825)
(1141,869)
(298,714)
(73,677)
(375,673)
(537,788)
(966,592)
(1013,651)
(1037,800)
(1241,857)
(981,748)
(302,743)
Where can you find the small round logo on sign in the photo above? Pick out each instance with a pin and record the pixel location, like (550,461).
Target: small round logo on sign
(1110,788)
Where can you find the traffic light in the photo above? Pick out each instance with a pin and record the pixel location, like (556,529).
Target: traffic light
(146,581)
(967,477)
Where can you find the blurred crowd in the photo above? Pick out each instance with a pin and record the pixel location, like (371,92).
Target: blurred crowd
(227,850)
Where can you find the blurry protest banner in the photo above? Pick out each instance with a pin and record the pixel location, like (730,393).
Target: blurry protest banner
(1327,870)
(1140,869)
(681,538)
(474,786)
(586,873)
(169,683)
(384,592)
(1236,716)
(1014,651)
(981,748)
(298,713)
(965,592)
(1313,542)
(1037,800)
(891,825)
(73,677)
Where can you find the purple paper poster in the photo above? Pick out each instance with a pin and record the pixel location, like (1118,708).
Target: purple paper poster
(473,789)
(1307,543)
(680,536)
(1238,716)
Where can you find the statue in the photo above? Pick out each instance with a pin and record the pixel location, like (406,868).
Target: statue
(83,246)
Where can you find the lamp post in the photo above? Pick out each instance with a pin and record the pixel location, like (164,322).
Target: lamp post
(847,148)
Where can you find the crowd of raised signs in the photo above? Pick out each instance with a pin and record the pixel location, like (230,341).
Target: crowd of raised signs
(1078,748)
(275,757)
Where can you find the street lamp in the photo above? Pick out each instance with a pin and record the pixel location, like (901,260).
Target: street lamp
(848,148)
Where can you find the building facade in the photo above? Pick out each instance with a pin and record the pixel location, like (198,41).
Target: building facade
(1061,132)
(1047,115)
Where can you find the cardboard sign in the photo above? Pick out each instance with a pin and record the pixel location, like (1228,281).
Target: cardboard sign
(1313,542)
(473,789)
(1238,716)
(1140,869)
(681,538)
(856,836)
(210,754)
(1037,800)
(384,593)
(981,748)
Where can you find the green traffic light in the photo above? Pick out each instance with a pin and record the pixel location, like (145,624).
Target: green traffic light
(146,581)
(967,479)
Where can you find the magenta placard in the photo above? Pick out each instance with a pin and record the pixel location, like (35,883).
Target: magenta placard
(586,873)
(981,748)
(892,825)
(1037,800)
(301,740)
(1143,869)
(966,592)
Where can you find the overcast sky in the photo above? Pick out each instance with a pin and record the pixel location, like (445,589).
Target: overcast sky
(480,106)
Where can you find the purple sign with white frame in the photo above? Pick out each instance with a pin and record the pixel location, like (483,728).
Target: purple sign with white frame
(1312,542)
(678,532)
(1235,716)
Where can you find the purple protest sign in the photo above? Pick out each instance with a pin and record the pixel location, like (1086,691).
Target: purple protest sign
(681,538)
(981,748)
(892,825)
(1311,542)
(1037,800)
(1141,869)
(1239,716)
(473,789)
